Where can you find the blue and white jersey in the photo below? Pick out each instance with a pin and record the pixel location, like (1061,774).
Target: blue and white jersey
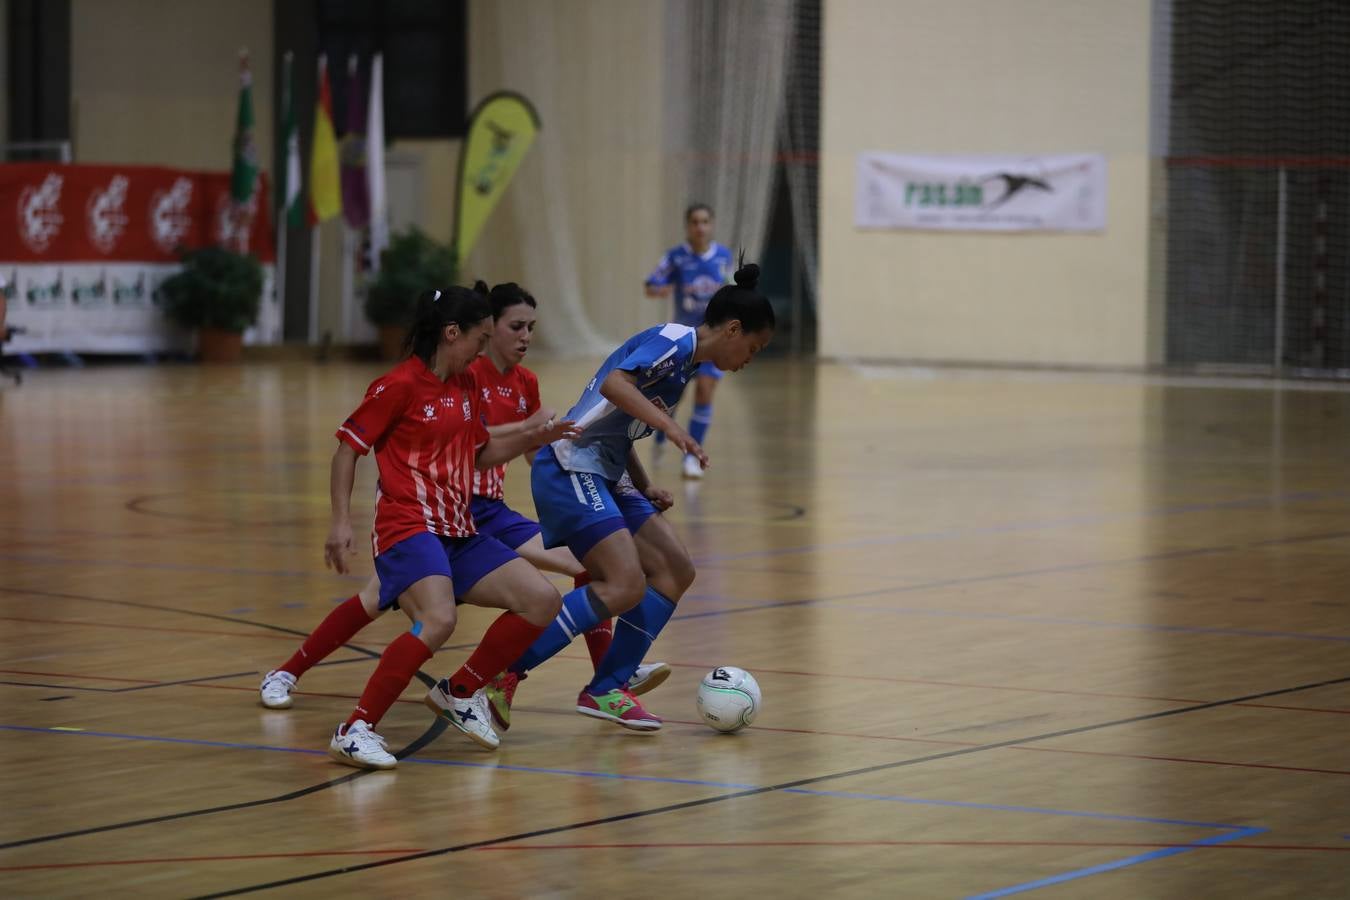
(662,360)
(696,278)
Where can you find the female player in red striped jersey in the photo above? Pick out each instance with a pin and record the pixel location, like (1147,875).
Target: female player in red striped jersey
(510,394)
(424,421)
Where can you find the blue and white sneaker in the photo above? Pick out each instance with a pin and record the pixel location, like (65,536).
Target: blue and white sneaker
(470,715)
(356,745)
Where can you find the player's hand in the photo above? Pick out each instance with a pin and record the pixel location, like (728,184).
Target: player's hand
(680,438)
(540,416)
(661,498)
(660,291)
(338,547)
(549,431)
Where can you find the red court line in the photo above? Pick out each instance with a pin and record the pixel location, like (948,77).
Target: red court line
(252,634)
(706,845)
(1185,759)
(183,859)
(991,687)
(808,731)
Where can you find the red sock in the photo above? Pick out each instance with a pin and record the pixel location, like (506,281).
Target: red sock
(581,580)
(598,640)
(337,628)
(503,643)
(397,667)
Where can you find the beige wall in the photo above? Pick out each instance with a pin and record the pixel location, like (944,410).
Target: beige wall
(986,77)
(587,215)
(156,82)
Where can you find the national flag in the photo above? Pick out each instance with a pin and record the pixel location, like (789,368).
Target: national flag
(289,183)
(355,206)
(325,192)
(244,174)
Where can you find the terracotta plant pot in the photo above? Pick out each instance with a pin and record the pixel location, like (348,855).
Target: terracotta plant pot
(391,342)
(216,346)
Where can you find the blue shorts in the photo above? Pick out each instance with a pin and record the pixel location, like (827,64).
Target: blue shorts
(578,509)
(707,368)
(495,519)
(463,560)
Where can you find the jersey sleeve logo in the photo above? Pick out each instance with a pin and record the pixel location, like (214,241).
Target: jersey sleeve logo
(429,411)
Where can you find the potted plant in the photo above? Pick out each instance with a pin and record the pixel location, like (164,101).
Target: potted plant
(411,264)
(218,293)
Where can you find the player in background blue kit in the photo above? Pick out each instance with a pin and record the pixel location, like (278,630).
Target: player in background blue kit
(691,273)
(593,496)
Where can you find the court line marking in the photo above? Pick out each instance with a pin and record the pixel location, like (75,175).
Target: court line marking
(232,858)
(691,804)
(714,845)
(699,802)
(1238,830)
(1117,864)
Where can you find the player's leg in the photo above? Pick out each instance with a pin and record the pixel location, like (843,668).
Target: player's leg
(670,572)
(415,575)
(336,629)
(495,577)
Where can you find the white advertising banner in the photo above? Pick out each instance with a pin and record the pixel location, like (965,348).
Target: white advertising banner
(981,193)
(107,308)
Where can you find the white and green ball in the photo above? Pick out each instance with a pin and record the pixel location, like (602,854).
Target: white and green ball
(729,698)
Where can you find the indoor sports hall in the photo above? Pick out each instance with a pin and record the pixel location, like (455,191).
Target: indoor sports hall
(1030,523)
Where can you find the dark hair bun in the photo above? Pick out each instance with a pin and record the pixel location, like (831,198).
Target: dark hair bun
(747,276)
(480,287)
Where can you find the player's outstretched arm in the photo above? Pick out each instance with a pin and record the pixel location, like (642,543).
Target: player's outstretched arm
(620,388)
(502,448)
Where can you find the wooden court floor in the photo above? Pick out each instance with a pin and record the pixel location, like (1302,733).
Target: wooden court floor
(1063,635)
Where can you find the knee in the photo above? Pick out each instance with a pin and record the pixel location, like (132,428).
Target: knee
(540,607)
(682,574)
(622,590)
(438,623)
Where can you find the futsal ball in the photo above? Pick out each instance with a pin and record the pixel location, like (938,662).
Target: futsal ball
(729,698)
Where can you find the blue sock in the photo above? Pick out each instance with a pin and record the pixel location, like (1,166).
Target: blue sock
(699,421)
(660,437)
(634,632)
(581,611)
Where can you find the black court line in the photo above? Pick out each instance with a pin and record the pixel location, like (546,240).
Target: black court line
(691,804)
(437,727)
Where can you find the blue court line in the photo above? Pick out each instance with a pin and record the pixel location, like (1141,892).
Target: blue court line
(1119,864)
(1234,832)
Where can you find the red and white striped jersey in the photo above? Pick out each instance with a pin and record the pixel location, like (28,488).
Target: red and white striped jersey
(510,396)
(425,434)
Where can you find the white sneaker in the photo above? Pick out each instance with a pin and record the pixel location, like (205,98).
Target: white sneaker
(692,469)
(470,715)
(276,689)
(648,676)
(356,745)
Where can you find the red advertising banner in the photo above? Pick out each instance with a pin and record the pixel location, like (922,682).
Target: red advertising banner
(52,213)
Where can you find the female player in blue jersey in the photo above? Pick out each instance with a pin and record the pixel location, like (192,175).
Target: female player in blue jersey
(691,273)
(592,494)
